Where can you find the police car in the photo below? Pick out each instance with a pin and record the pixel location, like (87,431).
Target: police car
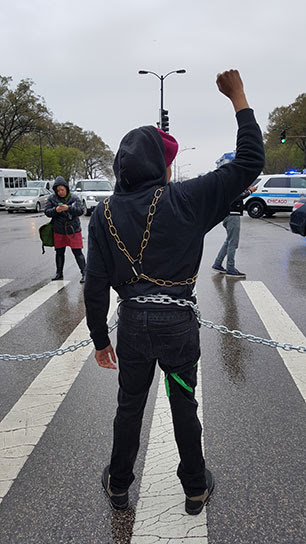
(275,193)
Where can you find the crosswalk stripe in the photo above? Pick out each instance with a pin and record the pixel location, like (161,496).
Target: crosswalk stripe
(12,317)
(160,512)
(24,425)
(281,328)
(3,282)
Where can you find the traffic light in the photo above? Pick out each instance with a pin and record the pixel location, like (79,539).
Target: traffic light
(283,137)
(164,121)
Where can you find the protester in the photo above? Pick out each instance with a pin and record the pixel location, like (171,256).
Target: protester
(65,209)
(232,225)
(145,240)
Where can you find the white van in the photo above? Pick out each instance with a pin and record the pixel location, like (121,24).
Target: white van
(10,180)
(275,193)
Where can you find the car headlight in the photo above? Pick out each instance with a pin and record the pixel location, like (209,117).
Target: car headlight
(91,198)
(7,201)
(30,201)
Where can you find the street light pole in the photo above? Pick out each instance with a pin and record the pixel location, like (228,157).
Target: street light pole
(41,158)
(175,160)
(180,168)
(161,78)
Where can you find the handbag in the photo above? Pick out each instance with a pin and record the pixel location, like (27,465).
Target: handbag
(46,235)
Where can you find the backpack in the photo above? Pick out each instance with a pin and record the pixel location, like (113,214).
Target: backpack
(46,235)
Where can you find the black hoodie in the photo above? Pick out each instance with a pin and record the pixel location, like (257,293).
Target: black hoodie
(184,214)
(64,222)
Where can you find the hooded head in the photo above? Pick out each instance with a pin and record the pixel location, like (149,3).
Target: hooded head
(142,159)
(60,181)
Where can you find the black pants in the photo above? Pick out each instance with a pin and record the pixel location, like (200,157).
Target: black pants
(172,338)
(60,258)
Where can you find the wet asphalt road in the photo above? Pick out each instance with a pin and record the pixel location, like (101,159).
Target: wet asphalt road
(254,415)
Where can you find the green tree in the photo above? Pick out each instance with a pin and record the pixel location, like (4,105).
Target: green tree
(69,160)
(21,112)
(292,154)
(97,156)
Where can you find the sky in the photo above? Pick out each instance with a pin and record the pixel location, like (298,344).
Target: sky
(84,57)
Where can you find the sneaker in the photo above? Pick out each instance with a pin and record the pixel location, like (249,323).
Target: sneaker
(82,280)
(119,501)
(219,268)
(195,505)
(234,273)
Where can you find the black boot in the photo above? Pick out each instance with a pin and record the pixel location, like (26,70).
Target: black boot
(82,280)
(59,260)
(80,259)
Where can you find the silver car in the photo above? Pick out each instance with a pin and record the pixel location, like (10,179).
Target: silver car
(27,199)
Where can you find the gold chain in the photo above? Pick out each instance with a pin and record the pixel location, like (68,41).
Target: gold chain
(145,240)
(163,283)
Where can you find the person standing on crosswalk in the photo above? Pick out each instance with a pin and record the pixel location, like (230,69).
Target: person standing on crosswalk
(232,226)
(147,240)
(65,209)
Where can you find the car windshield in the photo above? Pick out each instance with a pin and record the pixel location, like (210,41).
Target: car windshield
(36,184)
(26,192)
(97,186)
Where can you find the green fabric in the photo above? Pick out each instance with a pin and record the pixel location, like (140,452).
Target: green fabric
(67,197)
(46,235)
(167,385)
(179,380)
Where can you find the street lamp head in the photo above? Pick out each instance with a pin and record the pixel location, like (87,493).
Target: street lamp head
(143,72)
(181,71)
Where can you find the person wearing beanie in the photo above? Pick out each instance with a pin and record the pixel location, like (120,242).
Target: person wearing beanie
(147,240)
(65,209)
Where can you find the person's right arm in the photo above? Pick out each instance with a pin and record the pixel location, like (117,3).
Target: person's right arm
(50,208)
(210,196)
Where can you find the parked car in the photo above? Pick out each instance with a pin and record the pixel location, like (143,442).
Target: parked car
(91,192)
(275,193)
(298,217)
(27,199)
(41,183)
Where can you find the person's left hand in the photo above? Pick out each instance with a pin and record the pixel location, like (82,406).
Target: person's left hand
(106,357)
(253,189)
(64,207)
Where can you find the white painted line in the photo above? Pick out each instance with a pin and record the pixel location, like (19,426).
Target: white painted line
(24,425)
(160,512)
(3,282)
(12,317)
(280,327)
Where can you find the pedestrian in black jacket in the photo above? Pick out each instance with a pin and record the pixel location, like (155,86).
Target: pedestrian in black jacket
(65,209)
(231,224)
(145,240)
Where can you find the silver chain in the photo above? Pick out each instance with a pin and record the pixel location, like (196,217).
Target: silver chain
(162,299)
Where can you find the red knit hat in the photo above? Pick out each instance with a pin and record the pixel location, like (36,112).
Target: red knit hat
(171,146)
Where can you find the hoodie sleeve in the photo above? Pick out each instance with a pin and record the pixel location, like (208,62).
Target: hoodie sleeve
(75,208)
(50,208)
(96,291)
(210,196)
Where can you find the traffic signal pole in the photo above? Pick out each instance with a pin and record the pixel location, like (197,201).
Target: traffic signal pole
(163,115)
(161,99)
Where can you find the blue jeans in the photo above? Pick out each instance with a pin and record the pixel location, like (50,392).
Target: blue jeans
(232,225)
(170,337)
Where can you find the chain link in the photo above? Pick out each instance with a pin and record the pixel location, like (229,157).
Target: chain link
(161,299)
(47,354)
(145,240)
(166,299)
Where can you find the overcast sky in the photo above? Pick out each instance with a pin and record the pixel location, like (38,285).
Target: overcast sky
(84,57)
